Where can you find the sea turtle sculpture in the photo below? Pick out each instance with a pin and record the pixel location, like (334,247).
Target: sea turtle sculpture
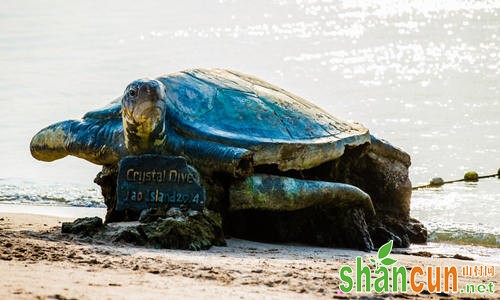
(263,147)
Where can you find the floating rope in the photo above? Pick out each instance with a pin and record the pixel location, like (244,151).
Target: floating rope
(471,176)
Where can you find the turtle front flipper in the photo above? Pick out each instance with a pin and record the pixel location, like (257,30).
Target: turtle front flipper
(110,111)
(99,141)
(210,157)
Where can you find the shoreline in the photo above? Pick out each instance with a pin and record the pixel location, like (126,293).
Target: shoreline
(71,212)
(36,260)
(480,253)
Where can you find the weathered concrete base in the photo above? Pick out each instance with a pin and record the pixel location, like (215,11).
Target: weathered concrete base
(106,179)
(171,229)
(319,225)
(378,168)
(325,226)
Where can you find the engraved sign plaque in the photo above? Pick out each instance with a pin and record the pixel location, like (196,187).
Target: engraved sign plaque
(148,181)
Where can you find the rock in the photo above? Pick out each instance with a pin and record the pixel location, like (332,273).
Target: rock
(422,254)
(462,257)
(85,227)
(471,176)
(165,229)
(381,235)
(190,231)
(156,214)
(128,234)
(416,231)
(436,181)
(385,228)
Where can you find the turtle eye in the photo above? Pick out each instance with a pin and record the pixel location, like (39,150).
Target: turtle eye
(132,92)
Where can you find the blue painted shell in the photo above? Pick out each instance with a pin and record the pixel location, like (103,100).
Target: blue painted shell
(235,109)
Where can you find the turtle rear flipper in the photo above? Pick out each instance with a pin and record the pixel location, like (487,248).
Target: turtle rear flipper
(276,208)
(99,141)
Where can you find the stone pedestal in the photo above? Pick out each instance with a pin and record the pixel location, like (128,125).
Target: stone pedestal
(379,169)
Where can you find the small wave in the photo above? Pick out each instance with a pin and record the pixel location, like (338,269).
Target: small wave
(50,195)
(466,238)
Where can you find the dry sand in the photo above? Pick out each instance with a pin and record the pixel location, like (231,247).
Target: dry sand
(38,262)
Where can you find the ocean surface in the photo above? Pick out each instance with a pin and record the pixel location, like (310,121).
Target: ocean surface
(424,75)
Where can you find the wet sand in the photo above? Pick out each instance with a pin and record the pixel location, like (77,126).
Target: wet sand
(38,262)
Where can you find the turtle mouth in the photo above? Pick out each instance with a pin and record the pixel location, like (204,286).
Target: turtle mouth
(148,111)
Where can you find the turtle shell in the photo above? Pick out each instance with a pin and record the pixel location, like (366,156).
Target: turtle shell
(239,110)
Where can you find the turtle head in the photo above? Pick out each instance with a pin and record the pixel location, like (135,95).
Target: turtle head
(143,114)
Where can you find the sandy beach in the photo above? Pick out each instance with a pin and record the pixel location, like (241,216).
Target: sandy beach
(38,262)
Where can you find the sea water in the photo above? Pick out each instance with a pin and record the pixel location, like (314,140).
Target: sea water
(424,75)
